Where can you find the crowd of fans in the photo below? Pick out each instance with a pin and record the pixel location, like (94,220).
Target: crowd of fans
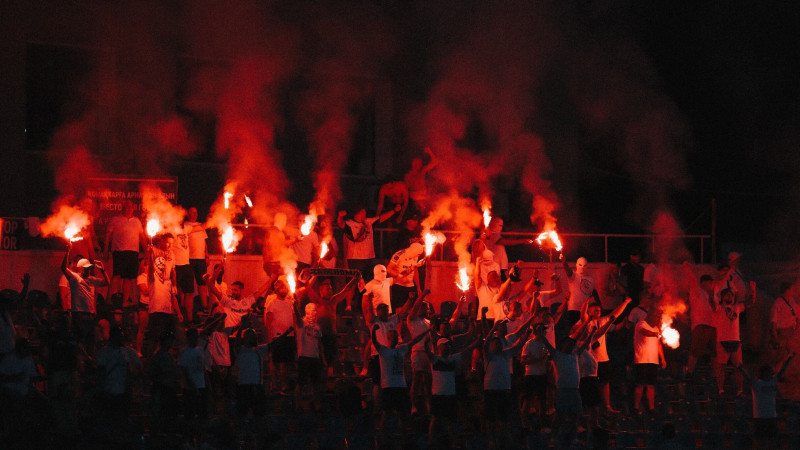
(553,355)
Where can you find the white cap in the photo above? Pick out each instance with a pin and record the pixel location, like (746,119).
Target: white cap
(83,263)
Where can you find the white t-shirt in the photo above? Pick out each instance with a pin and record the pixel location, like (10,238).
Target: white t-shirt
(726,320)
(305,246)
(567,370)
(192,360)
(587,364)
(405,263)
(580,289)
(487,297)
(180,249)
(392,375)
(363,247)
(764,398)
(235,309)
(160,295)
(497,371)
(144,296)
(249,362)
(383,329)
(308,336)
(117,362)
(282,314)
(443,370)
(500,255)
(415,327)
(601,352)
(700,312)
(645,348)
(381,293)
(537,350)
(197,242)
(82,292)
(125,233)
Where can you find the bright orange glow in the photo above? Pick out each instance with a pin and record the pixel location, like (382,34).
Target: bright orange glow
(153,226)
(323,250)
(463,280)
(229,239)
(248,201)
(71,231)
(227,195)
(551,236)
(308,223)
(291,281)
(431,239)
(487,218)
(670,336)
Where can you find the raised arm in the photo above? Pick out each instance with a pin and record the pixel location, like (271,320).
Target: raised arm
(567,269)
(785,365)
(381,199)
(433,162)
(560,311)
(404,309)
(212,286)
(374,336)
(65,261)
(343,294)
(385,216)
(414,313)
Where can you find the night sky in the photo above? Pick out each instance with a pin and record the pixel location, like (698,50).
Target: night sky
(611,110)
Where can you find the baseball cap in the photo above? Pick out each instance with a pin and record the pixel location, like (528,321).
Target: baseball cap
(83,263)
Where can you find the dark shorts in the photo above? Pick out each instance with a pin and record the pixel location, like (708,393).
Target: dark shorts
(645,373)
(765,428)
(374,369)
(568,401)
(444,406)
(497,403)
(126,264)
(534,385)
(309,370)
(395,399)
(730,346)
(283,349)
(590,392)
(605,372)
(329,348)
(184,276)
(704,338)
(199,268)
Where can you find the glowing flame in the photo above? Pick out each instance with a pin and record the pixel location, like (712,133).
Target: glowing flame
(71,231)
(291,281)
(308,223)
(551,236)
(323,250)
(227,195)
(229,239)
(487,218)
(153,226)
(463,280)
(669,336)
(246,223)
(431,239)
(248,201)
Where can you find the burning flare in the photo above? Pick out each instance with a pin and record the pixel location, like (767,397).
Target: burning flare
(551,236)
(463,280)
(68,220)
(431,239)
(308,224)
(153,226)
(229,238)
(669,336)
(291,281)
(227,195)
(248,201)
(323,250)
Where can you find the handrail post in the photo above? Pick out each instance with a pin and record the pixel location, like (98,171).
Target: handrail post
(605,241)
